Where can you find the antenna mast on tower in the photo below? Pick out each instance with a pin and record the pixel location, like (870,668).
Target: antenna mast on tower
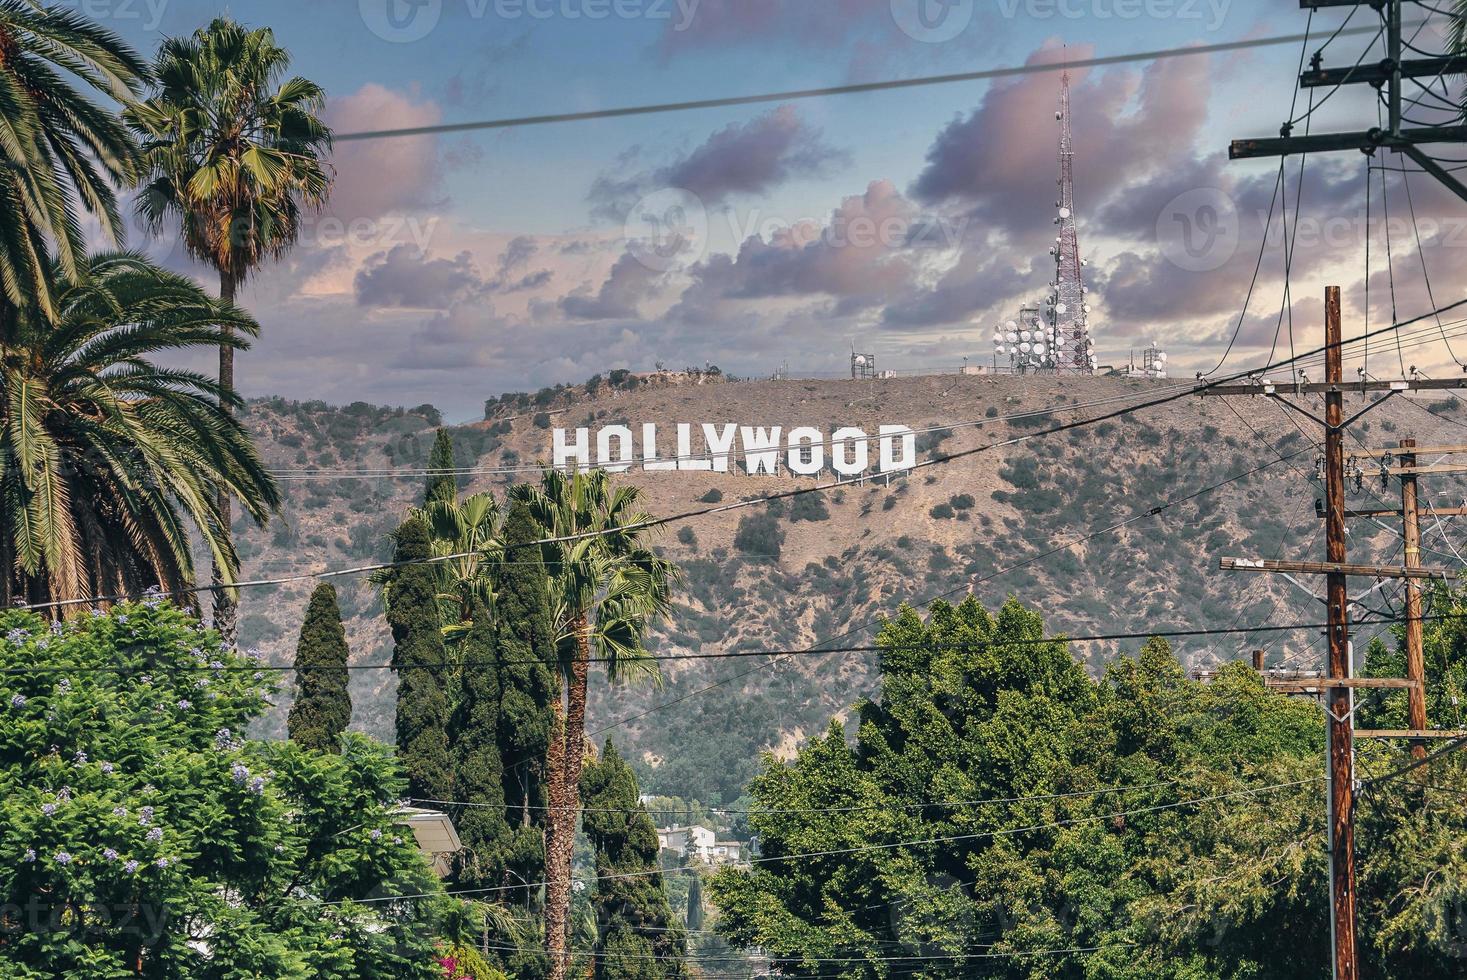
(1067,306)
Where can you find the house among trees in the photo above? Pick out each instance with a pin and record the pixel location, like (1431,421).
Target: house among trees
(701,843)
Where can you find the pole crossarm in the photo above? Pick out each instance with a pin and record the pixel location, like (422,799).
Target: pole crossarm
(1407,733)
(1421,451)
(1382,70)
(1325,387)
(1330,567)
(1426,471)
(1351,683)
(1368,139)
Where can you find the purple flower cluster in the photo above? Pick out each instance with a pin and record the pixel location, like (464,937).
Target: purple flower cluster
(145,816)
(110,854)
(131,867)
(48,809)
(30,855)
(17,636)
(18,701)
(185,704)
(155,835)
(65,686)
(239,773)
(63,858)
(257,785)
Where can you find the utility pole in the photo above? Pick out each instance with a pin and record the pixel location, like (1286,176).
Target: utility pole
(1338,685)
(1415,659)
(1385,74)
(1340,704)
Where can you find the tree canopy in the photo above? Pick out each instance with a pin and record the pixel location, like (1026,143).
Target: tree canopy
(1001,814)
(145,836)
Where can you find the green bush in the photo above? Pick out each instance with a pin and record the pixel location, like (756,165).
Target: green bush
(809,507)
(714,496)
(760,536)
(943,512)
(963,501)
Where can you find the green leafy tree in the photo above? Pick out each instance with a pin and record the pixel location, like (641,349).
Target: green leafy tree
(322,706)
(442,484)
(142,836)
(234,151)
(607,587)
(639,938)
(61,149)
(109,462)
(1143,826)
(425,695)
(1444,656)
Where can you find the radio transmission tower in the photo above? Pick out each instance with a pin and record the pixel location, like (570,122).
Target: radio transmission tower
(1067,306)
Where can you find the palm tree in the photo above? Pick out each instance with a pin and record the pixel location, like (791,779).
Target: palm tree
(235,153)
(58,148)
(607,587)
(465,535)
(107,460)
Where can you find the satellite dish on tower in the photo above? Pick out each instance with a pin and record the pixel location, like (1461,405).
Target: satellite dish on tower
(1064,212)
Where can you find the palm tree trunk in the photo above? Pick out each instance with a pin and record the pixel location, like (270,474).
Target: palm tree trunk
(566,793)
(557,873)
(226,610)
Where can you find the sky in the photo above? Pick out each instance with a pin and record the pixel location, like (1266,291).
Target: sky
(908,223)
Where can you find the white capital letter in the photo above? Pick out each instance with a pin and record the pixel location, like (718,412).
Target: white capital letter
(649,450)
(758,445)
(840,443)
(812,439)
(622,461)
(889,462)
(720,444)
(560,453)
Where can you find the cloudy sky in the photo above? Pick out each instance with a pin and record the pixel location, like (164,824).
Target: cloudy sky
(908,222)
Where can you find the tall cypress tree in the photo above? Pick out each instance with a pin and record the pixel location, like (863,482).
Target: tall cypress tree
(639,938)
(525,646)
(322,706)
(695,904)
(424,684)
(478,772)
(442,483)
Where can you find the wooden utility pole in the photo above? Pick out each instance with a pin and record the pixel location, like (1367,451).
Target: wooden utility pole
(1340,704)
(1415,659)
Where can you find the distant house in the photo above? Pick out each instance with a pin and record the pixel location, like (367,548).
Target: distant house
(435,835)
(700,843)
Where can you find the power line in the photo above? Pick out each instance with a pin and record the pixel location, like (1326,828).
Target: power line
(224,668)
(862,849)
(775,811)
(656,522)
(850,89)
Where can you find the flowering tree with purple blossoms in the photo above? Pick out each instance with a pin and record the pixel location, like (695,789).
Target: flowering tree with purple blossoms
(142,835)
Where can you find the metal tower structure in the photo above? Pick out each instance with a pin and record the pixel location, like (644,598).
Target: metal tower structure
(1067,307)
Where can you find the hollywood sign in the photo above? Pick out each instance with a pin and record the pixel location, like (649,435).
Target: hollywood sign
(803,450)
